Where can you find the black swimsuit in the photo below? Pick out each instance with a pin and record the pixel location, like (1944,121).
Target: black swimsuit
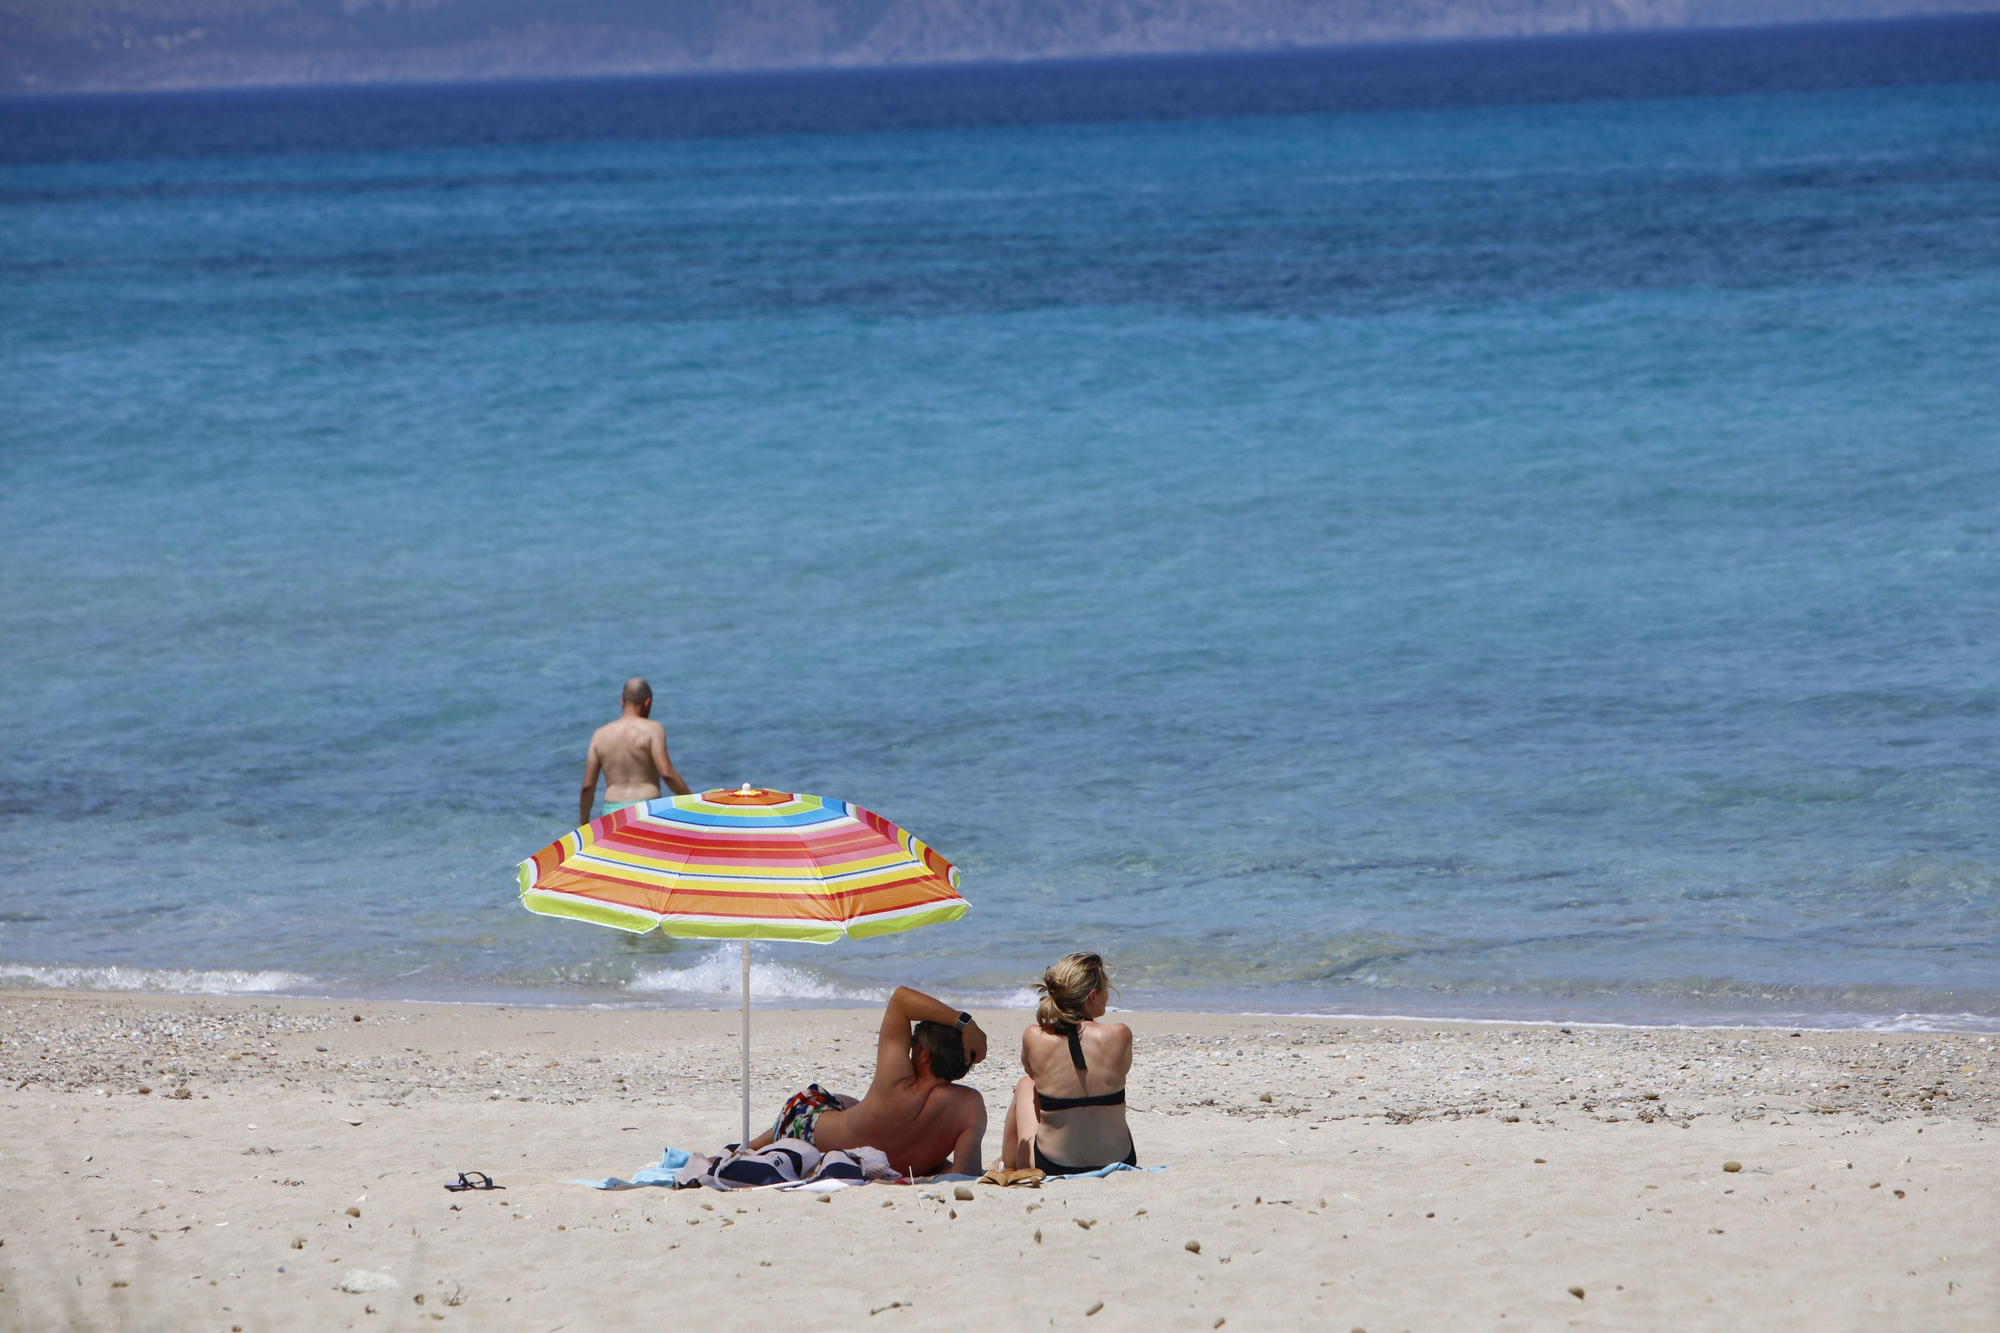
(1049,1164)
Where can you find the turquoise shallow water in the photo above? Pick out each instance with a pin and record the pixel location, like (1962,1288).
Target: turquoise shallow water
(1536,559)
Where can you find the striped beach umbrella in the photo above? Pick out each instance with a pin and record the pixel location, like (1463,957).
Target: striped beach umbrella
(749,864)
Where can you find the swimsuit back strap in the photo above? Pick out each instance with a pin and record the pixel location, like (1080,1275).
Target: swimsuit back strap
(1075,1048)
(1072,1103)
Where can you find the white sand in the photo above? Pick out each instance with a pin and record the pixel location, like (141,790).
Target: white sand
(1380,1188)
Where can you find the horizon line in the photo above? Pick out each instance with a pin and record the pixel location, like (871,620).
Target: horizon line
(1709,32)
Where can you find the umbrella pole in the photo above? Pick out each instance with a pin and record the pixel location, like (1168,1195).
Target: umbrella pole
(745,1140)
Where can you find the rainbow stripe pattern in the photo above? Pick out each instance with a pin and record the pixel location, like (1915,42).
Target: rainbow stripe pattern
(748,864)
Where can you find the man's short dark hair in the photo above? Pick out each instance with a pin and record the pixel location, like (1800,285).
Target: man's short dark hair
(637,691)
(946,1048)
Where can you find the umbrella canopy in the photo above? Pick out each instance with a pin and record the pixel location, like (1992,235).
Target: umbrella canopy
(750,864)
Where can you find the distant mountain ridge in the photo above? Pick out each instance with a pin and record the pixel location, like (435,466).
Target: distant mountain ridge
(107,45)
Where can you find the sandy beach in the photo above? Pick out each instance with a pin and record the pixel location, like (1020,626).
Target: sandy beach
(183,1163)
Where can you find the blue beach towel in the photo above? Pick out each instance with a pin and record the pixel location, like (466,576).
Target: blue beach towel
(952,1178)
(671,1161)
(1103,1171)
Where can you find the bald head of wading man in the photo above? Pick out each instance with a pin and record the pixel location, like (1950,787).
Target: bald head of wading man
(631,753)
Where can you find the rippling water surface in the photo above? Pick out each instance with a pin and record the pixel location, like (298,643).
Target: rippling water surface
(1520,552)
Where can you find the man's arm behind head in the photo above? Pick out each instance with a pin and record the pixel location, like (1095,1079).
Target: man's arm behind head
(892,1044)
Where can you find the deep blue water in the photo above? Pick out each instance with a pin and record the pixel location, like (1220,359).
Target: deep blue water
(1502,530)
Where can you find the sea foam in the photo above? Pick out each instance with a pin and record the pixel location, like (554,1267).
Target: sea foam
(171,981)
(720,972)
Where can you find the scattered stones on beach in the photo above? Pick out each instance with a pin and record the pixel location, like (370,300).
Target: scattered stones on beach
(272,1089)
(1095,1307)
(191,1046)
(1732,1167)
(1576,1292)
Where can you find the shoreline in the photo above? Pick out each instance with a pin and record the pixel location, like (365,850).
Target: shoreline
(224,983)
(114,1050)
(226,1161)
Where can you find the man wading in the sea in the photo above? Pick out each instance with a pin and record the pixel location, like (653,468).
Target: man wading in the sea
(631,753)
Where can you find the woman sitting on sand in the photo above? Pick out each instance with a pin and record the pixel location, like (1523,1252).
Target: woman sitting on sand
(1068,1113)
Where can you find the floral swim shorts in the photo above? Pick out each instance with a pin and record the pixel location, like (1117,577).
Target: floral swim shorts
(803,1111)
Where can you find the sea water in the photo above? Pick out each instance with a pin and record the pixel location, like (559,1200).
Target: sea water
(1502,531)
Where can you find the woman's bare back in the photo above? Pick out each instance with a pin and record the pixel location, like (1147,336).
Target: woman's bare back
(1082,1135)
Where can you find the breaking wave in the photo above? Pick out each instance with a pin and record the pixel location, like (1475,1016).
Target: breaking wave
(166,981)
(721,973)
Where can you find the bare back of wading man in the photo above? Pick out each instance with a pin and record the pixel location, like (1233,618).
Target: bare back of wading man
(916,1113)
(631,753)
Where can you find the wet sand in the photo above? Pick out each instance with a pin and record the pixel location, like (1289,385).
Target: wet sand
(179,1162)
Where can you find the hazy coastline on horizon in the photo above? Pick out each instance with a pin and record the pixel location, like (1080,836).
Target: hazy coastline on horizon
(139,45)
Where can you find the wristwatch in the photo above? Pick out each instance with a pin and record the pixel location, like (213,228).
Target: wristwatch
(964,1020)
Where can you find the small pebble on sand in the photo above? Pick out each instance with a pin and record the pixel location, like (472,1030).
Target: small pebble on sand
(963,1193)
(1576,1292)
(1732,1167)
(1192,1247)
(1093,1309)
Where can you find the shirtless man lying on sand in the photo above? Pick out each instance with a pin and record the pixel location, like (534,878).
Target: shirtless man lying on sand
(915,1111)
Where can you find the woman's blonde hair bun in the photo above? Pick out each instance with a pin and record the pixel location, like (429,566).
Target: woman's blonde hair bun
(1066,986)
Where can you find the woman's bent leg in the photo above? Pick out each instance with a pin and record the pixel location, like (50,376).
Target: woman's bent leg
(1017,1137)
